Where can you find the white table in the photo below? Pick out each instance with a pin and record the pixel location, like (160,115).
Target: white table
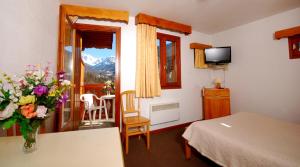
(111,97)
(96,147)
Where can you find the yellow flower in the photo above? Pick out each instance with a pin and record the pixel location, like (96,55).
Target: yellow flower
(52,93)
(30,99)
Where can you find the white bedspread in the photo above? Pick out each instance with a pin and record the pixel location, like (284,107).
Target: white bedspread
(247,139)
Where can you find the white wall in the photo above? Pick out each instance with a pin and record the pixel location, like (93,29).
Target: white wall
(261,76)
(29,32)
(28,35)
(192,80)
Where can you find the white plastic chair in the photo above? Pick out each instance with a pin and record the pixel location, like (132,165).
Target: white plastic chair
(90,106)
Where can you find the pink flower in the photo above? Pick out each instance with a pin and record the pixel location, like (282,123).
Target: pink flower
(41,111)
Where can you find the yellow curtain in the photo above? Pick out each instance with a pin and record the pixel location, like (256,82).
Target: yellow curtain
(199,59)
(147,82)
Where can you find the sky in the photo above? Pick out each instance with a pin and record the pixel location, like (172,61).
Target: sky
(100,53)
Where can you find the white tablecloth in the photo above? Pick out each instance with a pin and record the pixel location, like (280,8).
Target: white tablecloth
(97,147)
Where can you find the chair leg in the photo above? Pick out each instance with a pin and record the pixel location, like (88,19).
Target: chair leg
(123,135)
(148,137)
(100,114)
(126,140)
(83,115)
(90,117)
(94,115)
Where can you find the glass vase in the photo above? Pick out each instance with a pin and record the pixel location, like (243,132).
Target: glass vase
(30,143)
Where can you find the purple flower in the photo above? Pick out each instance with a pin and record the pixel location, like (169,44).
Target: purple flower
(60,76)
(63,98)
(40,90)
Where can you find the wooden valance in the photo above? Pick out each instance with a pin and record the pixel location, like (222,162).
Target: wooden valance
(199,46)
(142,18)
(293,35)
(97,39)
(287,32)
(98,13)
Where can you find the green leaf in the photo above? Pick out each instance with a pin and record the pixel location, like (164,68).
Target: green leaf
(50,84)
(4,104)
(26,91)
(30,81)
(5,93)
(9,123)
(1,123)
(24,131)
(2,91)
(35,123)
(25,128)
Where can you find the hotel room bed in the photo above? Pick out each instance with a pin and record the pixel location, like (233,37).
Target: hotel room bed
(246,139)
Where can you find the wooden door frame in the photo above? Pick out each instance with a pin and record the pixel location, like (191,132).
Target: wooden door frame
(60,67)
(117,30)
(95,13)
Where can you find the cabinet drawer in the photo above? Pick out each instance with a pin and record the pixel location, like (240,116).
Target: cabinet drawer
(215,92)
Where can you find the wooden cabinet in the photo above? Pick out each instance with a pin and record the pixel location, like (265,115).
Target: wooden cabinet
(216,102)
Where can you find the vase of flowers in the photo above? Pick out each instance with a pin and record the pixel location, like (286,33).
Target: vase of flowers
(109,87)
(27,101)
(30,142)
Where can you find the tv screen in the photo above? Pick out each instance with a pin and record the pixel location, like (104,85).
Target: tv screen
(218,55)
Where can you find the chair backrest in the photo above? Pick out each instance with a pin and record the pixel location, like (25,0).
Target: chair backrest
(129,103)
(88,100)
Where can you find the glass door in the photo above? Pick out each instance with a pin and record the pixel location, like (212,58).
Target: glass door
(66,71)
(98,57)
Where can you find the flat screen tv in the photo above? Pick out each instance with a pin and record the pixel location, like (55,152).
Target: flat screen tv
(218,55)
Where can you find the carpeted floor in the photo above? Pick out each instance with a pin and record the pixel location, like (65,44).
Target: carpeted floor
(167,150)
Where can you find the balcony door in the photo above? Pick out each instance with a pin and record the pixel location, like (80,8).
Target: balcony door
(87,64)
(98,66)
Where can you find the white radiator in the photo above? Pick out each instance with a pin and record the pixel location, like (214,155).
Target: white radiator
(164,112)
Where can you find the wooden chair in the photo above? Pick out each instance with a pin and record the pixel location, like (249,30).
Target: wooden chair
(133,123)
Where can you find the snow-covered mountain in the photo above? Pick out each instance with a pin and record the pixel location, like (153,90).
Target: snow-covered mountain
(108,60)
(99,65)
(90,60)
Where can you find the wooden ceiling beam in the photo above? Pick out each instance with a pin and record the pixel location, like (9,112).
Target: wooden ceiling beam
(97,13)
(287,32)
(142,18)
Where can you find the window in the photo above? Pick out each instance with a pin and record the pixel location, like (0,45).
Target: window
(168,48)
(294,46)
